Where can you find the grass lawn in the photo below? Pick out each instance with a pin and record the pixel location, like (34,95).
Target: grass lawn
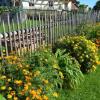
(89,89)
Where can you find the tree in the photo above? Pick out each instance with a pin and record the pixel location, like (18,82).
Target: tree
(97,6)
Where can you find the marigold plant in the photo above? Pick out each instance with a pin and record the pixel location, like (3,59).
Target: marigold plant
(83,50)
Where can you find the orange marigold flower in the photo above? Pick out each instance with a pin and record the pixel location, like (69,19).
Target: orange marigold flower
(12,93)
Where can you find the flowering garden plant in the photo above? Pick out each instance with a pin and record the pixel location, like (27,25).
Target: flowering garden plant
(37,80)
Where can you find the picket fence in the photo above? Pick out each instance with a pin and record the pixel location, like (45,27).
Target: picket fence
(28,30)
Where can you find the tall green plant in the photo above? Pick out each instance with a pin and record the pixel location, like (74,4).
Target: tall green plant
(70,69)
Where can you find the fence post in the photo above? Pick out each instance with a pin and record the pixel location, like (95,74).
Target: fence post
(19,38)
(14,35)
(5,38)
(10,38)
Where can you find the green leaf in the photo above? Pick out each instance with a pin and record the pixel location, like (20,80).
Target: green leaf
(1,97)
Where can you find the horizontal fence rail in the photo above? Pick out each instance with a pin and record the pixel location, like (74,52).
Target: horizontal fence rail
(29,29)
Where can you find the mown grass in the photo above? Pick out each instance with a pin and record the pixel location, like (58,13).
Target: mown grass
(89,89)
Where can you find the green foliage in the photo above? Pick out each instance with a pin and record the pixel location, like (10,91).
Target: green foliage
(91,32)
(70,69)
(9,9)
(1,97)
(82,49)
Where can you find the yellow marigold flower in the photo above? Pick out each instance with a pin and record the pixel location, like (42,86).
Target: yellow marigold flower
(15,98)
(55,66)
(37,73)
(45,81)
(29,83)
(33,92)
(61,75)
(9,88)
(3,87)
(26,87)
(18,82)
(45,97)
(27,78)
(14,58)
(55,94)
(3,77)
(39,91)
(98,62)
(28,98)
(9,96)
(38,97)
(9,80)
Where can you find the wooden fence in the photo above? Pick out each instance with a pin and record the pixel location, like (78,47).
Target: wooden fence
(28,30)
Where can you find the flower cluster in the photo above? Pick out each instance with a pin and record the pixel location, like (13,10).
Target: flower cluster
(20,80)
(85,51)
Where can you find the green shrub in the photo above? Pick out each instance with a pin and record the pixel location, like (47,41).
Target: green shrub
(70,69)
(82,49)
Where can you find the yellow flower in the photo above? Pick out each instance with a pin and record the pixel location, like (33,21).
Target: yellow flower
(61,75)
(37,73)
(45,97)
(33,92)
(9,80)
(39,91)
(3,77)
(27,78)
(26,87)
(98,62)
(9,88)
(14,58)
(28,98)
(18,82)
(55,66)
(55,94)
(9,96)
(45,81)
(15,98)
(3,87)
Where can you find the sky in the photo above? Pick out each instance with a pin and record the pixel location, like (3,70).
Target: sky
(91,3)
